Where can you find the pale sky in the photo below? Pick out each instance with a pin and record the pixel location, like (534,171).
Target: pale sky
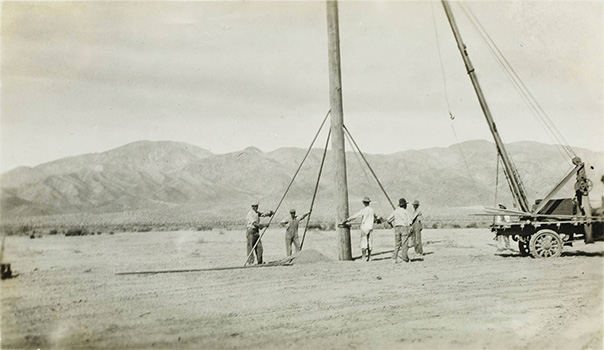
(80,77)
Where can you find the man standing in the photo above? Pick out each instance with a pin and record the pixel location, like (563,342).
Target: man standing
(401,221)
(503,241)
(416,228)
(367,216)
(291,231)
(253,233)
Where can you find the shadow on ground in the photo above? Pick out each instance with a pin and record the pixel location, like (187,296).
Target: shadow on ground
(582,253)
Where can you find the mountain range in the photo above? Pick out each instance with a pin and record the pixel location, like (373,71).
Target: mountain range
(165,181)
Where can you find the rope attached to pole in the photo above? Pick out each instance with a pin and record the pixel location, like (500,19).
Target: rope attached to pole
(369,166)
(288,187)
(314,195)
(374,193)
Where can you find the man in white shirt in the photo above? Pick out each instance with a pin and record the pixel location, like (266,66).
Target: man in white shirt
(253,233)
(401,221)
(367,216)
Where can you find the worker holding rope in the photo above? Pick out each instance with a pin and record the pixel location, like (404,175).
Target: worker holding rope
(367,216)
(400,220)
(253,233)
(291,231)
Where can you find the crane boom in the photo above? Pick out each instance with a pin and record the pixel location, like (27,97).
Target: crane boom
(512,174)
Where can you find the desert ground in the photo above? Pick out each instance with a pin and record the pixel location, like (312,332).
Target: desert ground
(460,294)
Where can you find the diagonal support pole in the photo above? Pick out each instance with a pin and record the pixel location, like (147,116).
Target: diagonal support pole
(369,166)
(314,195)
(288,187)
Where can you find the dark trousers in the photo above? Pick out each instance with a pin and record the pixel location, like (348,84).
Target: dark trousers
(416,233)
(289,240)
(253,236)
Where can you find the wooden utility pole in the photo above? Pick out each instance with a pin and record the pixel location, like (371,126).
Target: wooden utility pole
(337,130)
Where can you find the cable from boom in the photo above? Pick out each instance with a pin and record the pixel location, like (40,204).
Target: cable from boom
(517,82)
(442,68)
(451,116)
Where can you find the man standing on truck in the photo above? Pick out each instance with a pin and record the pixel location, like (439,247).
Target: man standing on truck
(253,233)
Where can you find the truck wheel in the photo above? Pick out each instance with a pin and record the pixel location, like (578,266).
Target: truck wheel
(523,245)
(545,244)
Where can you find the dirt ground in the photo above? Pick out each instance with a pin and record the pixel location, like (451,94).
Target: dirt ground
(461,294)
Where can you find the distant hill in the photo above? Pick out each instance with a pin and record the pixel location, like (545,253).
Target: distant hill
(171,181)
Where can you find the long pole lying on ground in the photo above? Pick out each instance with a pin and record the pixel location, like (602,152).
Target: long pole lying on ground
(337,123)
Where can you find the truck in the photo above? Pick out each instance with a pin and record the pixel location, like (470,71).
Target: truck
(543,229)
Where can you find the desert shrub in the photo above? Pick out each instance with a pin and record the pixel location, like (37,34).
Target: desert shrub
(456,226)
(472,225)
(328,226)
(23,229)
(53,232)
(73,232)
(76,232)
(204,228)
(110,232)
(315,226)
(435,226)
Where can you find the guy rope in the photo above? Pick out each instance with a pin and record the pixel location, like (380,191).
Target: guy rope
(288,187)
(355,150)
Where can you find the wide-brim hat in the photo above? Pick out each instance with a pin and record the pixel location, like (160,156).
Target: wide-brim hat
(402,201)
(292,211)
(366,200)
(255,204)
(416,202)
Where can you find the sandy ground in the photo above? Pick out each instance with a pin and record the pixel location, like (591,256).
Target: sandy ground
(459,295)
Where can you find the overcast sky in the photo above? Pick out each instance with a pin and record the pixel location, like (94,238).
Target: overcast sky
(80,77)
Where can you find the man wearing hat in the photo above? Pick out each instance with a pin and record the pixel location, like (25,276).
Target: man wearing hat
(400,220)
(253,234)
(416,228)
(291,231)
(367,216)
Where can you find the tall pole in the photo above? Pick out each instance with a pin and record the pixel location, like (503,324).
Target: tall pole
(337,130)
(513,178)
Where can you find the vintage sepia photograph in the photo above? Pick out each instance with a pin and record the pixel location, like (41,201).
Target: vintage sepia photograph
(302,174)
